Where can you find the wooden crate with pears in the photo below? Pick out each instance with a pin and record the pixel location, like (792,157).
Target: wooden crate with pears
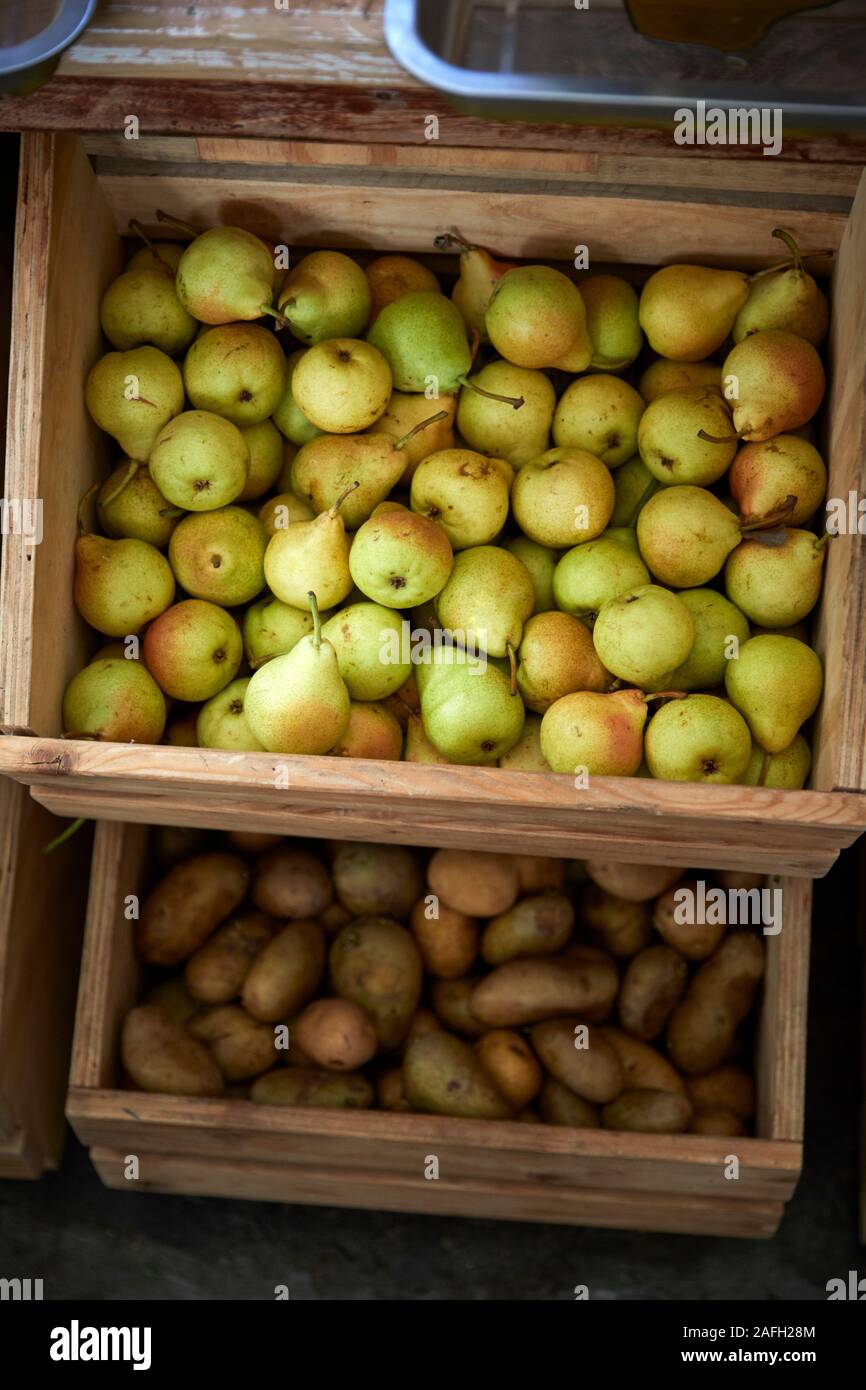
(536,564)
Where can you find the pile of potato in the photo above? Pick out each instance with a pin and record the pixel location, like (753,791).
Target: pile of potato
(458,983)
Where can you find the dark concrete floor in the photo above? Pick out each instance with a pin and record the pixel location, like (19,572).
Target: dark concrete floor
(88,1242)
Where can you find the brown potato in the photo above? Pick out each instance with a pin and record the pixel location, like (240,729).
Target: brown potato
(376,963)
(215,973)
(241,1046)
(252,841)
(451,1000)
(290,881)
(511,1065)
(308,1088)
(286,973)
(645,1068)
(528,1116)
(620,926)
(694,940)
(721,1122)
(423,1021)
(336,1034)
(159,1055)
(481,885)
(653,983)
(538,874)
(724,1088)
(636,882)
(448,942)
(334,917)
(171,843)
(557,1105)
(443,1076)
(188,904)
(173,997)
(389,1090)
(703,1025)
(377,880)
(649,1112)
(593,1072)
(531,990)
(539,925)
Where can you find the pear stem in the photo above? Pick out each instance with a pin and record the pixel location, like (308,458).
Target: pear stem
(275,313)
(416,429)
(127,478)
(135,226)
(83,500)
(788,238)
(781,516)
(666,695)
(317,621)
(446,240)
(64,835)
(333,511)
(719,438)
(514,401)
(765,767)
(787,264)
(642,501)
(182,226)
(512,661)
(823,540)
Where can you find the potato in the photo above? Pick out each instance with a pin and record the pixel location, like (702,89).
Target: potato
(377,880)
(252,841)
(336,1034)
(389,1090)
(171,843)
(594,1072)
(290,881)
(423,1021)
(173,997)
(528,1116)
(537,874)
(286,973)
(557,1105)
(159,1055)
(511,1065)
(240,1045)
(375,962)
(703,1025)
(725,1088)
(443,1076)
(481,885)
(531,990)
(636,882)
(620,926)
(649,1112)
(451,1000)
(308,1088)
(721,1122)
(653,983)
(645,1068)
(535,926)
(215,973)
(334,916)
(694,940)
(448,942)
(188,904)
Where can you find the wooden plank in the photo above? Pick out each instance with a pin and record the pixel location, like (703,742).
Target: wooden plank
(781,1054)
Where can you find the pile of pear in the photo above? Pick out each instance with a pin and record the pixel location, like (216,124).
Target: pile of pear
(596,510)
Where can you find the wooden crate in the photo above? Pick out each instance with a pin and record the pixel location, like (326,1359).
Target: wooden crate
(70,215)
(232,1148)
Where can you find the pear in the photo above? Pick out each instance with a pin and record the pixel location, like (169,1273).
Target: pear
(557,657)
(132,395)
(716,621)
(200,461)
(776,585)
(407,410)
(600,414)
(372,732)
(540,561)
(598,734)
(468,710)
(776,382)
(685,536)
(130,506)
(342,385)
(663,376)
(643,634)
(310,553)
(480,273)
(141,306)
(590,575)
(612,319)
(298,703)
(466,493)
(487,599)
(193,650)
(400,559)
(168,252)
(673,437)
(368,640)
(788,299)
(699,739)
(765,474)
(115,700)
(288,418)
(492,427)
(423,339)
(390,277)
(222,721)
(624,534)
(417,747)
(119,586)
(776,685)
(219,556)
(326,295)
(265,448)
(785,771)
(536,318)
(226,274)
(280,511)
(271,628)
(687,311)
(237,371)
(633,485)
(526,755)
(564,496)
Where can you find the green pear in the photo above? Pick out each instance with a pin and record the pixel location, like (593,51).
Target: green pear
(372,732)
(115,700)
(685,536)
(562,497)
(141,306)
(687,311)
(132,395)
(423,339)
(390,277)
(466,493)
(265,448)
(626,535)
(540,561)
(590,575)
(280,511)
(219,556)
(556,658)
(406,413)
(307,554)
(717,621)
(788,299)
(526,755)
(776,585)
(120,586)
(130,506)
(493,427)
(663,376)
(699,739)
(326,295)
(168,252)
(222,721)
(400,559)
(288,418)
(536,318)
(600,414)
(776,685)
(612,319)
(489,595)
(271,628)
(417,747)
(480,273)
(671,437)
(193,650)
(776,383)
(633,485)
(200,461)
(468,710)
(763,475)
(237,371)
(594,733)
(342,385)
(643,634)
(226,274)
(369,641)
(298,703)
(786,771)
